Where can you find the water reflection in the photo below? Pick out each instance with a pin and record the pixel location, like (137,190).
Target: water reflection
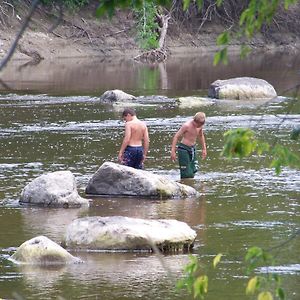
(175,76)
(49,222)
(101,271)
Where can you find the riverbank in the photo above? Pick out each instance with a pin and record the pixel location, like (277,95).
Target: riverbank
(82,35)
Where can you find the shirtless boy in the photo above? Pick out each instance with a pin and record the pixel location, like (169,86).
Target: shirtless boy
(135,143)
(186,149)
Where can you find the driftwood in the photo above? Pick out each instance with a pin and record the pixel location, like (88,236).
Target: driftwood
(36,57)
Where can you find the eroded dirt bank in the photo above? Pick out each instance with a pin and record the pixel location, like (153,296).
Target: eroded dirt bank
(83,35)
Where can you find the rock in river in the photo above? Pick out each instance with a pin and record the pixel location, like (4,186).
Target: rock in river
(56,189)
(42,251)
(241,88)
(118,180)
(116,96)
(128,234)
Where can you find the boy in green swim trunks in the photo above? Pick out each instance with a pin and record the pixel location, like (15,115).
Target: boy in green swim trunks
(186,149)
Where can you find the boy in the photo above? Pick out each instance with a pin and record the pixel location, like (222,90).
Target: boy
(135,143)
(186,149)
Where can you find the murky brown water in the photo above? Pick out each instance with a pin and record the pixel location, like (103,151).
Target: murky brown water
(52,120)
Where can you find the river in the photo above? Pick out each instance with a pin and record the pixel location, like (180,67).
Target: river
(51,119)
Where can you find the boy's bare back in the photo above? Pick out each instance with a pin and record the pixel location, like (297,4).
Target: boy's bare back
(137,131)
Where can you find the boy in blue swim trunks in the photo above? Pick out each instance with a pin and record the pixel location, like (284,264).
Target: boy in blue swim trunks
(186,149)
(135,143)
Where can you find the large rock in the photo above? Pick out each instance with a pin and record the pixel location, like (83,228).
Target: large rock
(128,234)
(241,88)
(41,250)
(112,96)
(56,189)
(119,180)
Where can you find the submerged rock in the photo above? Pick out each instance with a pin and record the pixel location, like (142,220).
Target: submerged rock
(241,88)
(119,180)
(56,189)
(128,234)
(42,251)
(116,96)
(188,102)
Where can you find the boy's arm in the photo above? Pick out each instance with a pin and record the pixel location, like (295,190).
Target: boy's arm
(177,135)
(146,143)
(125,142)
(203,143)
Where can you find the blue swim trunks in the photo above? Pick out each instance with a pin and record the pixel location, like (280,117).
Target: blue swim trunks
(133,157)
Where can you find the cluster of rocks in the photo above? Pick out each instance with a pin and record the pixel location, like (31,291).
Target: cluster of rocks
(117,233)
(241,88)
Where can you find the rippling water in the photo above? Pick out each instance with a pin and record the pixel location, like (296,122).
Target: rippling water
(242,203)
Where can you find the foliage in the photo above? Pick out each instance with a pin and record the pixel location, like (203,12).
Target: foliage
(254,15)
(70,4)
(242,143)
(264,286)
(193,282)
(109,6)
(251,16)
(282,156)
(147,27)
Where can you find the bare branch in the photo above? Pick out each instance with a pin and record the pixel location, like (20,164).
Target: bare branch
(25,24)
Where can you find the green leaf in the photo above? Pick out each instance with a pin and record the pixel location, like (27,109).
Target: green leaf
(219,2)
(217,58)
(284,157)
(280,293)
(106,7)
(200,286)
(265,296)
(252,286)
(217,259)
(223,38)
(221,56)
(245,50)
(186,4)
(199,4)
(287,3)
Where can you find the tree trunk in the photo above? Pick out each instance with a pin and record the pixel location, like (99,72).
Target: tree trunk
(164,19)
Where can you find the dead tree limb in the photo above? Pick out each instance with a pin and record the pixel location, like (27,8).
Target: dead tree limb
(159,54)
(164,20)
(35,55)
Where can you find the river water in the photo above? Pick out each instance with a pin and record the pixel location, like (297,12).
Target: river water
(51,119)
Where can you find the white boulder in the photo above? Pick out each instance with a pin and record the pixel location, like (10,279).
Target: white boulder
(56,189)
(241,88)
(191,101)
(119,180)
(128,234)
(116,96)
(42,251)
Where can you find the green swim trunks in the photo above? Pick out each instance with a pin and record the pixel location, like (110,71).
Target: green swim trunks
(187,159)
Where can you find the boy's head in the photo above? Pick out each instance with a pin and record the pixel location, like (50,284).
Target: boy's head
(199,118)
(128,111)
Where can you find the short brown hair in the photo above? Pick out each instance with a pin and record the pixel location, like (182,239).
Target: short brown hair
(199,117)
(128,111)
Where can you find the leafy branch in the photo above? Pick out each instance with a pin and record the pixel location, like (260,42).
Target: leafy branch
(193,282)
(241,143)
